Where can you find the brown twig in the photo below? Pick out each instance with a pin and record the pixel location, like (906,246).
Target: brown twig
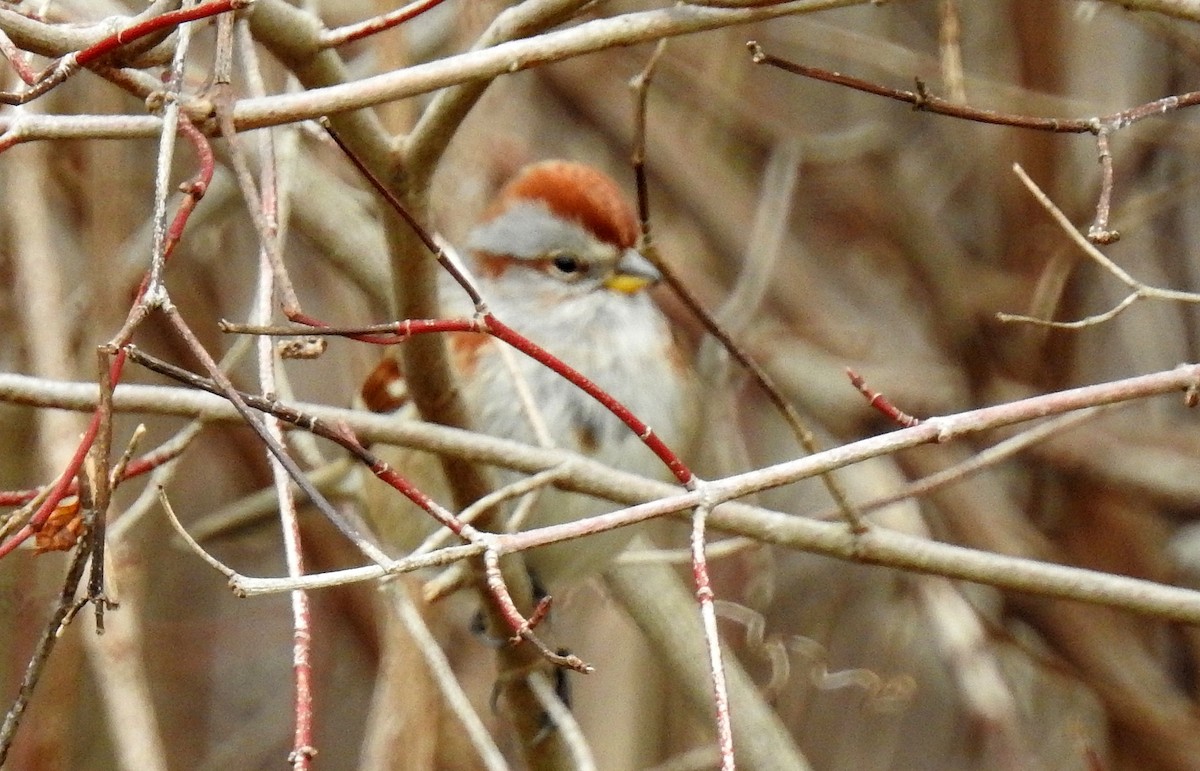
(1101,126)
(101,494)
(396,205)
(391,333)
(922,100)
(640,84)
(225,388)
(256,204)
(41,654)
(700,577)
(1100,233)
(1139,289)
(761,377)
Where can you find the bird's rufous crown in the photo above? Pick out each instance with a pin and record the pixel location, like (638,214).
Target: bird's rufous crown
(577,193)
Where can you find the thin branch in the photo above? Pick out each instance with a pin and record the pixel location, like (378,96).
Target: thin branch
(443,674)
(256,204)
(522,487)
(197,549)
(424,146)
(332,38)
(155,292)
(979,461)
(640,84)
(880,402)
(102,493)
(221,384)
(504,58)
(878,546)
(1140,290)
(712,640)
(453,267)
(922,100)
(1100,233)
(263,203)
(786,164)
(521,626)
(69,64)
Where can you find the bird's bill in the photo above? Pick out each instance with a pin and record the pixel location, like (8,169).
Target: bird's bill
(632,273)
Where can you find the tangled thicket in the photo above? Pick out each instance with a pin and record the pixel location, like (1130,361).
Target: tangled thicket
(853,231)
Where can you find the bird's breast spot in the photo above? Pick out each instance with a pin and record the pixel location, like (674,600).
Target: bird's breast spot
(384,389)
(586,438)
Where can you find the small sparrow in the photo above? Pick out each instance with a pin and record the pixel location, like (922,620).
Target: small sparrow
(555,258)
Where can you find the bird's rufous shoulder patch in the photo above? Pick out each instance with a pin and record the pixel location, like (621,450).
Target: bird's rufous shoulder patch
(384,389)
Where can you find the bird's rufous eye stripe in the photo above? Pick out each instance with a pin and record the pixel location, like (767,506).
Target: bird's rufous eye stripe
(492,265)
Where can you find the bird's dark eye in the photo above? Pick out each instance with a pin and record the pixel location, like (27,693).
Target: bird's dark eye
(566,263)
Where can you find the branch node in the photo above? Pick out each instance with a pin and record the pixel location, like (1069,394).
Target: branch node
(922,96)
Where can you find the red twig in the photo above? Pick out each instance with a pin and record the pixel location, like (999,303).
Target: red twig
(63,68)
(16,58)
(351,32)
(67,478)
(137,468)
(150,26)
(678,468)
(501,331)
(881,402)
(396,332)
(486,324)
(522,627)
(194,189)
